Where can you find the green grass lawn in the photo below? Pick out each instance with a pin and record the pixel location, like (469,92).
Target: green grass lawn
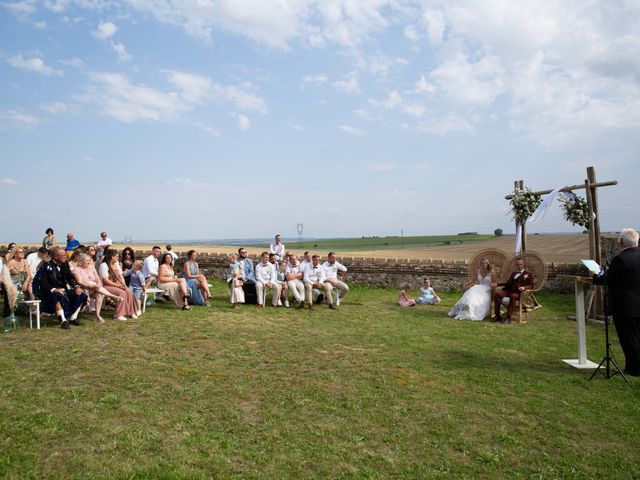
(384,243)
(368,391)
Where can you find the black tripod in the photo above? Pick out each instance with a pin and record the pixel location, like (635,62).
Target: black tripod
(609,363)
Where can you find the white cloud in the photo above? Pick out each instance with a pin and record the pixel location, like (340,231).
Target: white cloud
(209,129)
(392,101)
(435,24)
(88,158)
(348,85)
(8,181)
(380,167)
(242,122)
(296,127)
(186,183)
(105,30)
(54,108)
(121,51)
(423,86)
(25,7)
(121,99)
(36,65)
(73,62)
(317,79)
(446,124)
(357,132)
(56,5)
(17,118)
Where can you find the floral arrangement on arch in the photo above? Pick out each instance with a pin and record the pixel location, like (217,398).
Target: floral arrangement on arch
(524,203)
(576,209)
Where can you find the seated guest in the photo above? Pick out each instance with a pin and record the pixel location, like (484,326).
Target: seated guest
(295,277)
(404,300)
(151,265)
(10,248)
(175,287)
(103,244)
(314,277)
(110,273)
(196,281)
(137,283)
(277,248)
(306,261)
(49,240)
(265,279)
(287,256)
(128,257)
(334,272)
(9,296)
(519,281)
(37,259)
(236,294)
(88,278)
(248,278)
(73,259)
(281,278)
(72,244)
(273,260)
(20,272)
(59,291)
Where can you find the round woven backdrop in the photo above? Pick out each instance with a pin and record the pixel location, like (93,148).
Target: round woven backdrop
(497,259)
(534,262)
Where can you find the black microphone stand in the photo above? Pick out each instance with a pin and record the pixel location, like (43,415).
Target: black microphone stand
(608,361)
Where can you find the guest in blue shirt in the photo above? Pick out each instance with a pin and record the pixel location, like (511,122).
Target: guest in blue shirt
(72,244)
(249,285)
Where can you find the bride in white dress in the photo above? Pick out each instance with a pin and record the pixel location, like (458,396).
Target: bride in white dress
(476,301)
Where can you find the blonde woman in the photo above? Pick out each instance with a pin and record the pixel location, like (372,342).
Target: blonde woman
(476,301)
(20,272)
(88,278)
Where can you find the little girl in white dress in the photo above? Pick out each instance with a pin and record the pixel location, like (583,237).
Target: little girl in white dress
(427,294)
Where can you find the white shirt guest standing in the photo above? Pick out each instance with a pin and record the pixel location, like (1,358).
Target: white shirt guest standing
(277,248)
(334,271)
(104,242)
(173,254)
(266,278)
(314,277)
(150,266)
(295,280)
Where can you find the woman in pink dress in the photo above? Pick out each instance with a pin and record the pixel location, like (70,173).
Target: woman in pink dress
(113,280)
(87,277)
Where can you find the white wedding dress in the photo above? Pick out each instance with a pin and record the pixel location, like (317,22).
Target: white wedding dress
(475,303)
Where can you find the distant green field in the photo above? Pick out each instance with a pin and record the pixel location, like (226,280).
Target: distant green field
(382,243)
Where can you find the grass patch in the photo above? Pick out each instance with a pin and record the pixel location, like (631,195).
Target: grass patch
(370,390)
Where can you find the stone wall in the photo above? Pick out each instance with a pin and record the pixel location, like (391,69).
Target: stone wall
(445,275)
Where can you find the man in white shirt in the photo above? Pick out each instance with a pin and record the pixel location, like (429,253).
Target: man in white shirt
(314,278)
(173,254)
(266,279)
(306,261)
(295,277)
(104,243)
(277,248)
(150,267)
(34,259)
(334,272)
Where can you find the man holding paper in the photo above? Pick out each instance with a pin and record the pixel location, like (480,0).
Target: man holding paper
(623,281)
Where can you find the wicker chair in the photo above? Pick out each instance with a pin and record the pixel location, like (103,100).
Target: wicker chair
(537,265)
(497,260)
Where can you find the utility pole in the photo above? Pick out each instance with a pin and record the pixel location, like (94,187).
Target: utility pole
(299,228)
(402,238)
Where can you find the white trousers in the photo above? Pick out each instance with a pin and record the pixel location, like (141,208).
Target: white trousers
(261,293)
(296,287)
(308,286)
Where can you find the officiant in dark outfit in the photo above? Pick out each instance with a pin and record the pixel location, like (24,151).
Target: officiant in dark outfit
(623,282)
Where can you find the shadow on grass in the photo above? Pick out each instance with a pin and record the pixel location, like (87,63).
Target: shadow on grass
(468,360)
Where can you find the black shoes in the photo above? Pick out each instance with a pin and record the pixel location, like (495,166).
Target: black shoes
(320,298)
(301,305)
(64,324)
(75,322)
(506,320)
(632,373)
(497,318)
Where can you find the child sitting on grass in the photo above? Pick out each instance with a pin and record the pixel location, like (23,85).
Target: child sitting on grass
(404,300)
(427,294)
(137,283)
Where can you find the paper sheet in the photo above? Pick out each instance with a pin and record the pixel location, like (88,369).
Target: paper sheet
(591,265)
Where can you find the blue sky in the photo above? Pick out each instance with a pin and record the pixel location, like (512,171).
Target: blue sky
(191,119)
